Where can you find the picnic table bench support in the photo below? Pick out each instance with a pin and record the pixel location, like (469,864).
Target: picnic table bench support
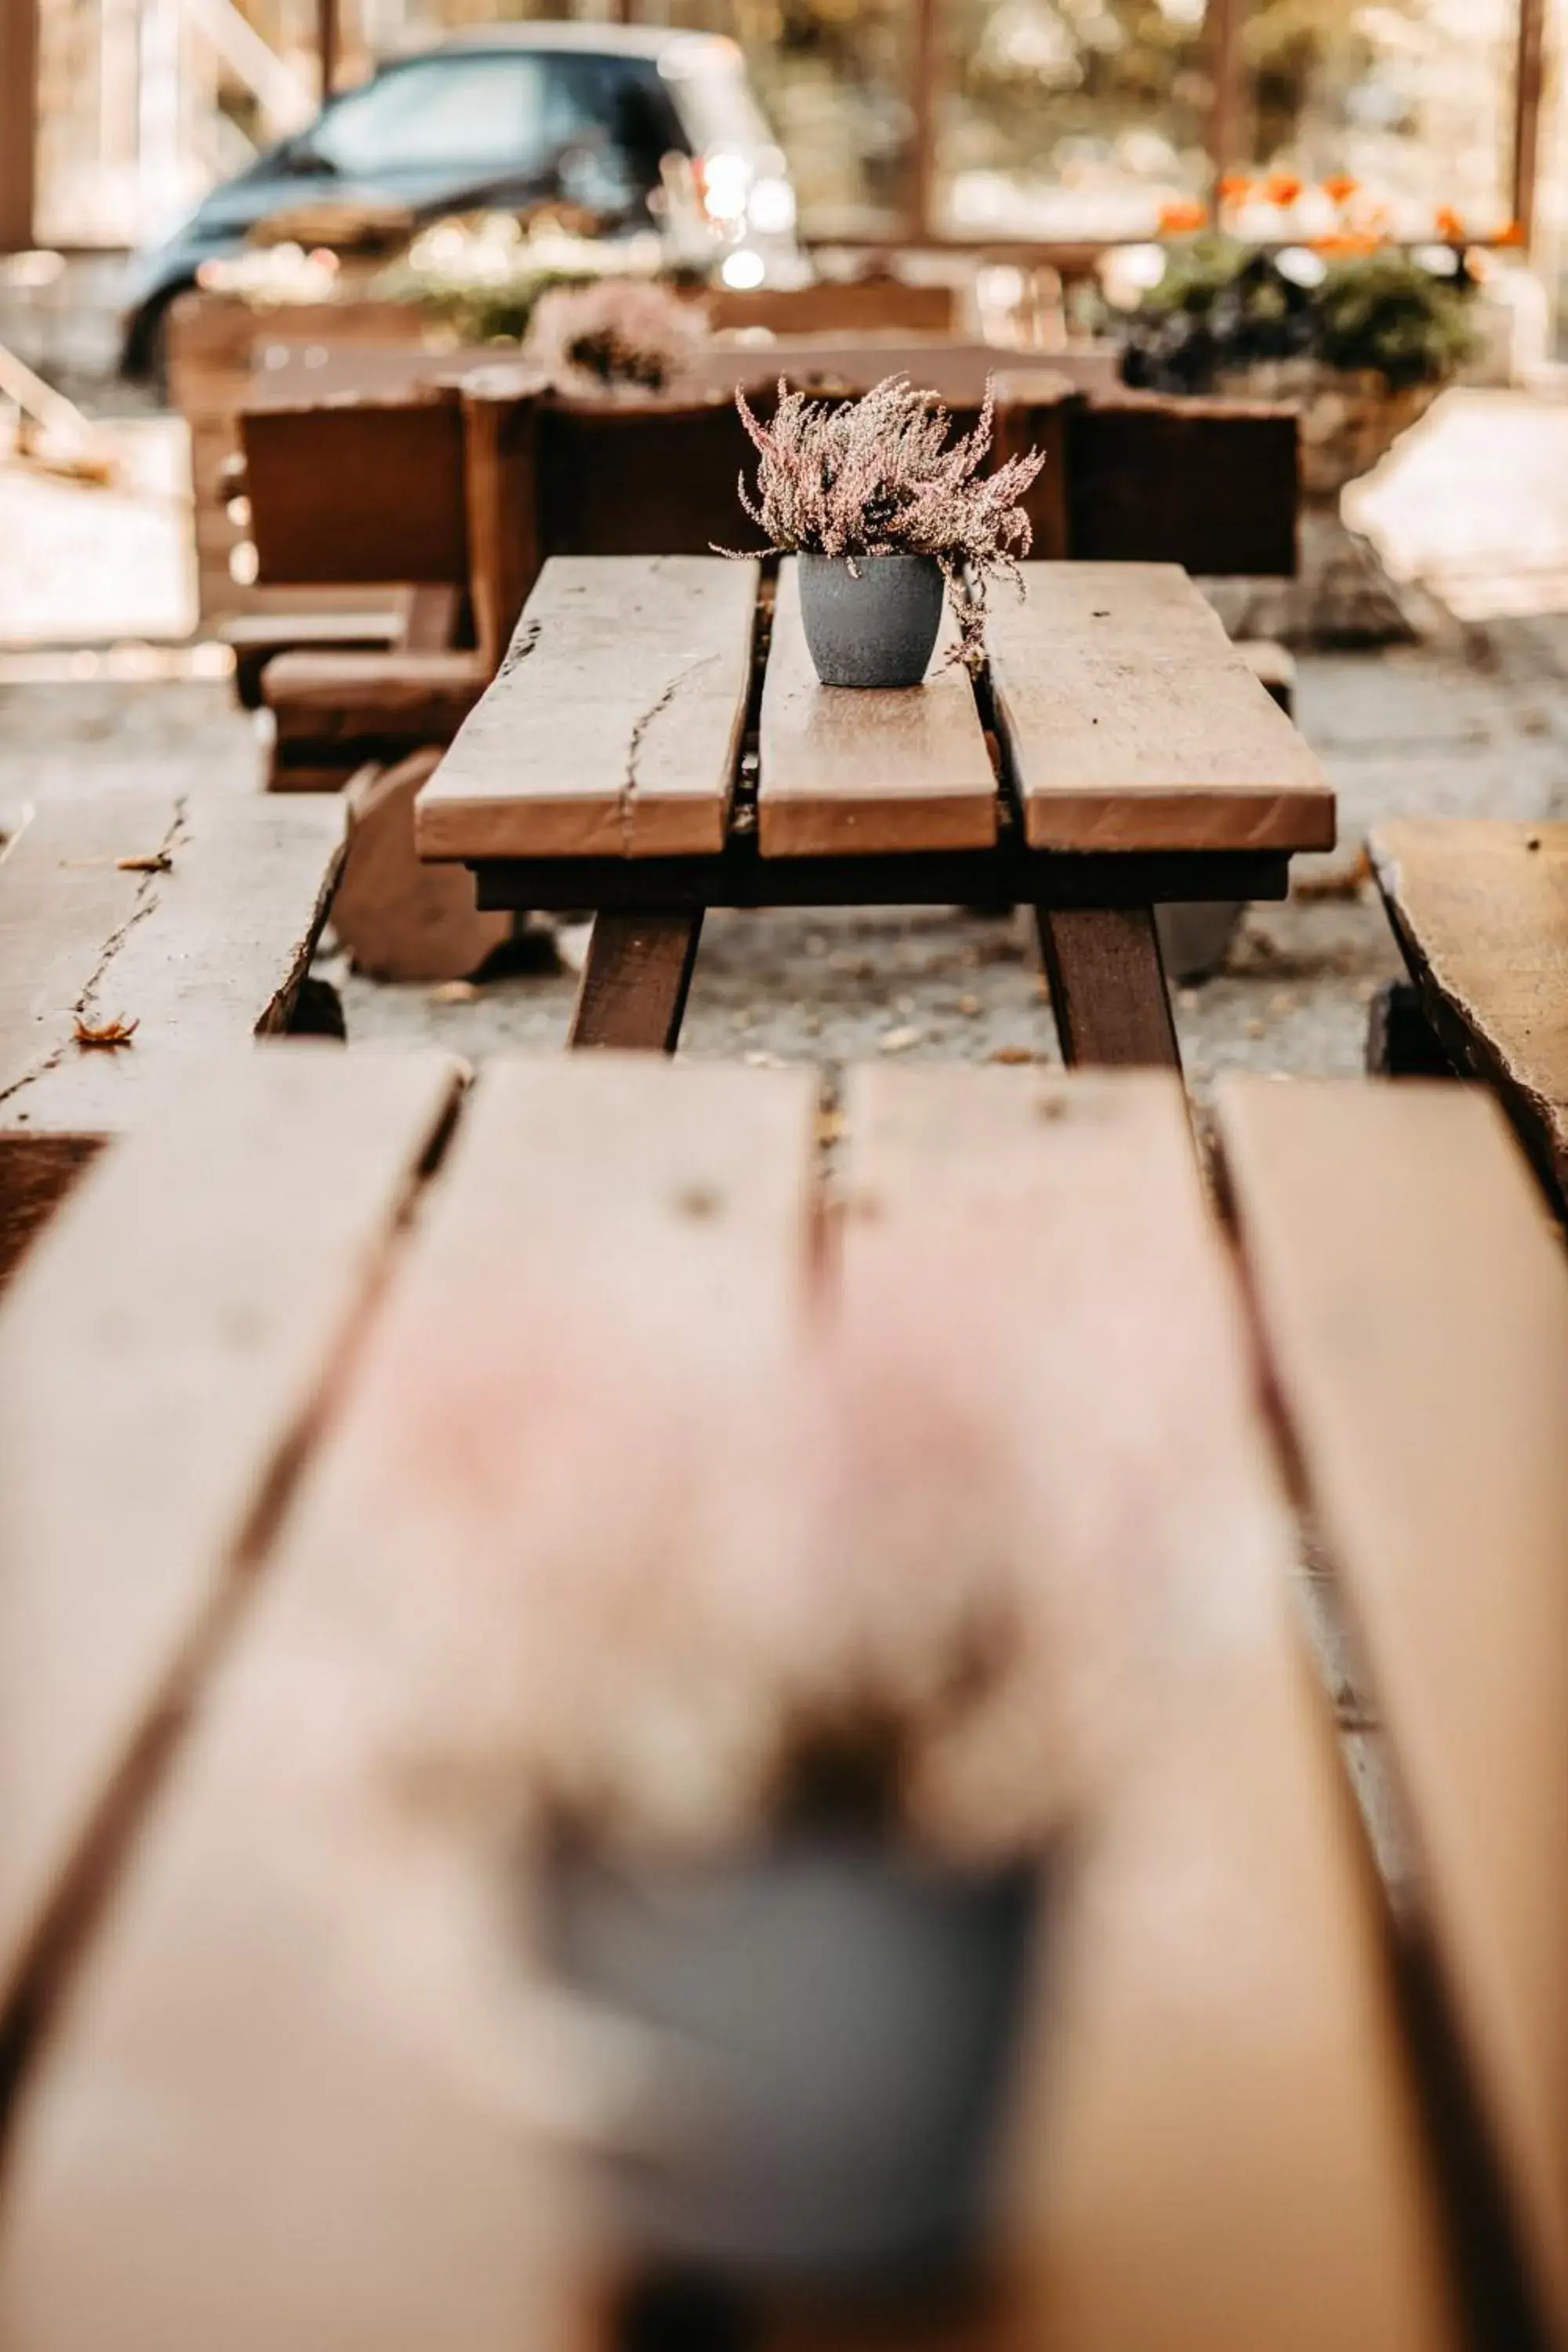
(636,980)
(1107,980)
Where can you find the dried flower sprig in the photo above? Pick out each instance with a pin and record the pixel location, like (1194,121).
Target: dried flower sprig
(622,335)
(875,477)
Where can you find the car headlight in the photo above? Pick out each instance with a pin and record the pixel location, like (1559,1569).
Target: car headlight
(771,209)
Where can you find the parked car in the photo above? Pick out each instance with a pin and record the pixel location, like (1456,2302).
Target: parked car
(594,114)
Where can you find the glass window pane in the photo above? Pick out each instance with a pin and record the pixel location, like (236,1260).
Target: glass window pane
(1410,100)
(482,113)
(1069,119)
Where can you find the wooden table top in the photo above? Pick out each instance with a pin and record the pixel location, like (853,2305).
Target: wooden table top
(292,2101)
(1125,722)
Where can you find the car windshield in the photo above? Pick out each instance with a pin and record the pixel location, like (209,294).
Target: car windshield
(476,115)
(603,122)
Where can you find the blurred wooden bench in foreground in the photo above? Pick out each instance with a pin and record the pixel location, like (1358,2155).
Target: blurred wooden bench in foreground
(232,1914)
(1479,907)
(135,926)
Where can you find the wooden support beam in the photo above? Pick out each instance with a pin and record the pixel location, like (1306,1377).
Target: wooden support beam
(1529,79)
(327,45)
(18,121)
(927,79)
(1222,27)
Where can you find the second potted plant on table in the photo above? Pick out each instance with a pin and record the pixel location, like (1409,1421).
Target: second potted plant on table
(884,513)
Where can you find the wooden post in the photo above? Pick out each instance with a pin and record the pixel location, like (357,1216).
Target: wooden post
(327,45)
(922,163)
(1529,74)
(1222,24)
(18,121)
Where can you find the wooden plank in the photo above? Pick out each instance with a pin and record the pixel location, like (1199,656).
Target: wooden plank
(1215,2145)
(1415,1304)
(615,479)
(162,1353)
(1107,978)
(331,698)
(358,490)
(853,305)
(1131,723)
(854,770)
(1479,907)
(399,916)
(635,980)
(502,486)
(1208,484)
(310,2161)
(208,953)
(614,724)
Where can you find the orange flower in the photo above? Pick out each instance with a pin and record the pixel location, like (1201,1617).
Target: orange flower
(1340,188)
(1282,187)
(1181,217)
(1234,188)
(1346,241)
(1450,227)
(1511,233)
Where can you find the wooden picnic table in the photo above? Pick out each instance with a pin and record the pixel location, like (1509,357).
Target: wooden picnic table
(655,743)
(256,1676)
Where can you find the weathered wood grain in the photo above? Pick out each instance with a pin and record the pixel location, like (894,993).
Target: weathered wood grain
(259,2128)
(327,697)
(162,1351)
(1216,2145)
(209,951)
(358,490)
(1131,723)
(1479,907)
(635,980)
(847,770)
(614,724)
(1107,978)
(1415,1305)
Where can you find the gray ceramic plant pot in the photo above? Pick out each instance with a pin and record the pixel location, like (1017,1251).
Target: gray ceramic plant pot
(877,629)
(837,2022)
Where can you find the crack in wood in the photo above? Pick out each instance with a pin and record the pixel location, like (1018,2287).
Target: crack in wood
(142,904)
(624,798)
(522,645)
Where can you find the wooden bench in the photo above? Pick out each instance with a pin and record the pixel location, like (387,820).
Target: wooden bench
(188,920)
(246,2119)
(1479,907)
(1413,1304)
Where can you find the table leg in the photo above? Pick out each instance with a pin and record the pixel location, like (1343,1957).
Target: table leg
(635,982)
(1108,985)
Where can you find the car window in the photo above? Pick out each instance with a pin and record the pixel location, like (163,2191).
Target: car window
(466,114)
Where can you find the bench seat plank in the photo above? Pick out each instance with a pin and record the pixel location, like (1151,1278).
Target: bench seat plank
(1133,723)
(1415,1304)
(209,953)
(614,724)
(312,2170)
(1479,906)
(1220,2150)
(845,770)
(161,1352)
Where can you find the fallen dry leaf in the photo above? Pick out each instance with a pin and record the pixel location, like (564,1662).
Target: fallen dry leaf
(1341,881)
(899,1041)
(106,1033)
(454,992)
(1013,1054)
(151,861)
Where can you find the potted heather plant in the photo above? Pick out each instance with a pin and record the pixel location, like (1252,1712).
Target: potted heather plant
(799,1706)
(884,513)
